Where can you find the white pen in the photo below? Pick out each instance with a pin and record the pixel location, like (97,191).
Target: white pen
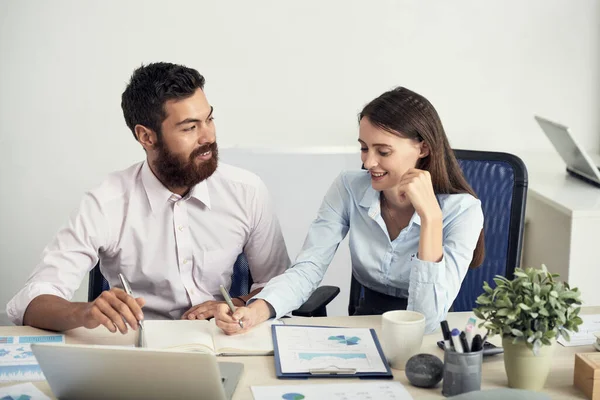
(127,288)
(229,302)
(456,341)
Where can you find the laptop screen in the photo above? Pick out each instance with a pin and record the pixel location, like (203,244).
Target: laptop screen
(568,149)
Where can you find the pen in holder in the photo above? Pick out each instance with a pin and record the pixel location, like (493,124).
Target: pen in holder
(462,372)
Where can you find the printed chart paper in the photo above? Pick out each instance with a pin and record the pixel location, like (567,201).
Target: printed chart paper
(22,391)
(17,362)
(337,391)
(302,349)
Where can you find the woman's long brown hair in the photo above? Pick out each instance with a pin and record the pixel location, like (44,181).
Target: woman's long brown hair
(408,114)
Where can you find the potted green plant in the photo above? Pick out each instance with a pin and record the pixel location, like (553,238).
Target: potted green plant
(530,312)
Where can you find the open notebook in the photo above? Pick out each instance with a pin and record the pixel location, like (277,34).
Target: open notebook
(205,336)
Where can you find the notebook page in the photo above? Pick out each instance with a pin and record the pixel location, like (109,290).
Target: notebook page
(257,341)
(179,335)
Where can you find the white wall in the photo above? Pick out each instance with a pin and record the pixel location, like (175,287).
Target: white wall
(280,74)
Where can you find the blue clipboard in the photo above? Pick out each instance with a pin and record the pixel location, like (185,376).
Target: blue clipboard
(332,372)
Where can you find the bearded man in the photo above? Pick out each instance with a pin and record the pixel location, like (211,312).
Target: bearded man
(173,224)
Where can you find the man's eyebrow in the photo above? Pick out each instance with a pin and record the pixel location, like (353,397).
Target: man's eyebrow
(194,120)
(187,121)
(376,144)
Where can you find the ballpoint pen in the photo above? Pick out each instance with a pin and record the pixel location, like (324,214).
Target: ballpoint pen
(229,302)
(127,288)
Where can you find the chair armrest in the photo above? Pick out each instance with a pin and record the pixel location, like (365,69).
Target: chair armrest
(315,305)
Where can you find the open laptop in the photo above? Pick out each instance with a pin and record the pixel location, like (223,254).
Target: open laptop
(579,163)
(110,372)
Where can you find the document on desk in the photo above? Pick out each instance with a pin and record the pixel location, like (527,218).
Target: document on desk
(585,336)
(22,391)
(335,391)
(17,362)
(205,336)
(315,349)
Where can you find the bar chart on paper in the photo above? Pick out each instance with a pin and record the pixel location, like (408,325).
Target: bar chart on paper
(17,362)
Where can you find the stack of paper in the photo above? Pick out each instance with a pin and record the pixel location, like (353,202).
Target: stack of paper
(585,336)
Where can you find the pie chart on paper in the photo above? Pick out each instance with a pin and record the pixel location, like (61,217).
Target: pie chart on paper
(292,396)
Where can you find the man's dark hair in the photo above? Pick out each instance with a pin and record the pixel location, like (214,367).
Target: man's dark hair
(150,87)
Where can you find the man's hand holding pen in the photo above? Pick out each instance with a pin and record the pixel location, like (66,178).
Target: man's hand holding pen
(114,309)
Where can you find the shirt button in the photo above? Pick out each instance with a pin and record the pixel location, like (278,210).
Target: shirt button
(192,292)
(180,227)
(185,260)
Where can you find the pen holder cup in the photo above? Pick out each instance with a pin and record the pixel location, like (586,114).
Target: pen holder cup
(462,372)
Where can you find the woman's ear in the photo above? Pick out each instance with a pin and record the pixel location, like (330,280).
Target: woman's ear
(424,150)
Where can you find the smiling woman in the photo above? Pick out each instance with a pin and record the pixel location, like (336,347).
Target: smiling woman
(414,224)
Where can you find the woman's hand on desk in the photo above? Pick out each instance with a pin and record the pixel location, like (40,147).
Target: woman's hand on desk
(250,316)
(112,309)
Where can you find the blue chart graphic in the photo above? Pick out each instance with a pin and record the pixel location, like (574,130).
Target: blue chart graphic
(21,397)
(41,339)
(20,372)
(348,341)
(287,396)
(310,356)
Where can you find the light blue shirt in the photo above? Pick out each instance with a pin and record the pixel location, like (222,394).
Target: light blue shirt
(387,266)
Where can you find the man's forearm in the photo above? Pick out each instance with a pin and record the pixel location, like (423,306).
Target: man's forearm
(54,313)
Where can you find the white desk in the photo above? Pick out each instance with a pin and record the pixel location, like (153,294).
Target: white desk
(261,370)
(562,224)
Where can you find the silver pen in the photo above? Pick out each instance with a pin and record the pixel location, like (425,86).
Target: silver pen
(229,302)
(141,339)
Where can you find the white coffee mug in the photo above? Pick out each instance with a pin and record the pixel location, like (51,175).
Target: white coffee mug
(402,335)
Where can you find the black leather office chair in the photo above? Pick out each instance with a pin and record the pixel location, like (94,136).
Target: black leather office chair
(500,182)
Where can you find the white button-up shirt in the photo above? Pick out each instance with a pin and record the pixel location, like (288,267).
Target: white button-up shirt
(174,251)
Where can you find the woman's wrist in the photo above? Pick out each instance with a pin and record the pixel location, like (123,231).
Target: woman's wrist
(263,310)
(432,215)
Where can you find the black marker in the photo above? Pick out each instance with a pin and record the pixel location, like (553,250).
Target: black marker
(477,343)
(464,343)
(447,335)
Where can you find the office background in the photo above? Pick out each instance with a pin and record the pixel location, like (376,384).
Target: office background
(281,75)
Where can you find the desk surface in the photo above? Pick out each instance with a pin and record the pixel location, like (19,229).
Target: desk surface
(550,183)
(261,371)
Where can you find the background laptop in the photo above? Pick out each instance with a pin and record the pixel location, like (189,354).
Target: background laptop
(579,164)
(110,372)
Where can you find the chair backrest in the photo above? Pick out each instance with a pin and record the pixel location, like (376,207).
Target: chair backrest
(241,280)
(500,182)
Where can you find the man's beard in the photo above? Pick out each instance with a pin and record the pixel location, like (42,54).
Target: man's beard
(175,173)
